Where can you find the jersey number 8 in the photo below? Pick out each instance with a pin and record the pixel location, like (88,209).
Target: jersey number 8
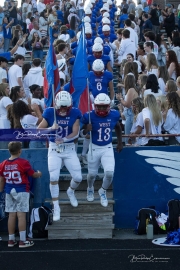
(99,86)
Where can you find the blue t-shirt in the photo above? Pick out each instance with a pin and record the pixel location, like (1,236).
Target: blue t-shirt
(60,16)
(6,55)
(104,58)
(99,84)
(102,127)
(65,123)
(7,32)
(71,33)
(122,18)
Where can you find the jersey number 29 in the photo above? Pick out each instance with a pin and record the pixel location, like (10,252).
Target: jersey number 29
(13,177)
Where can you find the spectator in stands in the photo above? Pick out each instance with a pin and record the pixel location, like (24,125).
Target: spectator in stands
(142,80)
(17,93)
(28,21)
(15,72)
(1,15)
(35,29)
(152,119)
(133,34)
(41,6)
(123,5)
(132,7)
(147,23)
(8,55)
(6,9)
(170,86)
(37,46)
(34,75)
(163,77)
(26,8)
(138,124)
(28,121)
(130,58)
(176,47)
(31,25)
(151,64)
(130,67)
(152,86)
(172,119)
(122,18)
(172,65)
(43,24)
(169,22)
(162,48)
(7,33)
(154,17)
(25,69)
(36,96)
(52,18)
(131,93)
(3,72)
(126,46)
(13,10)
(5,103)
(150,36)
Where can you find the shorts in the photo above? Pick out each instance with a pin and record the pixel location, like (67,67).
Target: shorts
(17,202)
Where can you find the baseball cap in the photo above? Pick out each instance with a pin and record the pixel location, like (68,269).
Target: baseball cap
(168,5)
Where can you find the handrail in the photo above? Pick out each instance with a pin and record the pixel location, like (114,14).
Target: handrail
(150,135)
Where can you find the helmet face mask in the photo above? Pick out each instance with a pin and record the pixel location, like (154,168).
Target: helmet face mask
(63,103)
(106,33)
(97,54)
(102,105)
(88,35)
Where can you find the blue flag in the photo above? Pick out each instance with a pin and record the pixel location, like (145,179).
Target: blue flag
(51,76)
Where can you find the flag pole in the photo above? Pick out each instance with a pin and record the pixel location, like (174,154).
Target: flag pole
(90,144)
(53,96)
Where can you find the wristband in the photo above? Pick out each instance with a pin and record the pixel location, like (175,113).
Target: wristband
(82,134)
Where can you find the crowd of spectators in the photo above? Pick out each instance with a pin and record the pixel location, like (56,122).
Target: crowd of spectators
(144,49)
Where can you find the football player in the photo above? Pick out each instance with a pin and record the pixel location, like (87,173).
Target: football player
(103,121)
(62,147)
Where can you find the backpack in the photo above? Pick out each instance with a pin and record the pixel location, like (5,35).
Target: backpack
(40,218)
(174,213)
(144,215)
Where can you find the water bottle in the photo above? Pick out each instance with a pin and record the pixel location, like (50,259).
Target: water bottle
(150,231)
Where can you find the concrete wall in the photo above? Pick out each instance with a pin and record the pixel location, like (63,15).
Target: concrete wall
(144,176)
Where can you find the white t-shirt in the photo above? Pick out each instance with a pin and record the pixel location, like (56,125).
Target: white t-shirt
(153,129)
(28,23)
(139,122)
(172,124)
(41,7)
(29,121)
(14,73)
(39,102)
(153,71)
(3,74)
(4,102)
(162,85)
(148,92)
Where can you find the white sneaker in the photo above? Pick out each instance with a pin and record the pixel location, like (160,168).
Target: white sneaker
(72,197)
(103,198)
(56,213)
(84,160)
(90,194)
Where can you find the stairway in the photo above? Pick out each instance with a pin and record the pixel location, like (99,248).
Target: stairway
(88,220)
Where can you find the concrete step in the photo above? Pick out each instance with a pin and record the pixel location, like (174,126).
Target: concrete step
(88,220)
